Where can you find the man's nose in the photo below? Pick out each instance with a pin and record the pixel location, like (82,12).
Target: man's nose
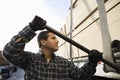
(57,40)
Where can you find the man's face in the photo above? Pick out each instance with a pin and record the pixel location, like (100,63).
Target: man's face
(51,43)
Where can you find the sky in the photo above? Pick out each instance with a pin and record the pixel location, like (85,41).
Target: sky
(16,14)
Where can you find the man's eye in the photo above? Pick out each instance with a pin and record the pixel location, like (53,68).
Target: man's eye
(54,38)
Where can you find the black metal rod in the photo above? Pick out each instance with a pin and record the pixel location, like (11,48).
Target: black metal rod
(67,39)
(79,46)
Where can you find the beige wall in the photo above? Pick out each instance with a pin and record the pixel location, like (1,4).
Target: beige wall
(86,31)
(86,25)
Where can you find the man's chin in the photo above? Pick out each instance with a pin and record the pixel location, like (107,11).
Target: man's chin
(55,50)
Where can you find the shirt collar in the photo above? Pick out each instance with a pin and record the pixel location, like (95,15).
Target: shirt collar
(53,55)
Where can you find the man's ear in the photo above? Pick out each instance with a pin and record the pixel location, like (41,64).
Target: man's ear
(43,42)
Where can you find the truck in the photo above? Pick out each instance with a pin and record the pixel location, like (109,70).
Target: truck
(6,68)
(96,25)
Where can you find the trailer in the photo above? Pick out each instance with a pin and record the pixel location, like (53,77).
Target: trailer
(94,24)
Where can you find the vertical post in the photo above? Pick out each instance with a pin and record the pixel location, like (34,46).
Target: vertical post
(71,24)
(106,39)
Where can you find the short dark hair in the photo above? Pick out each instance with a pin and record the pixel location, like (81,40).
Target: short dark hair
(42,36)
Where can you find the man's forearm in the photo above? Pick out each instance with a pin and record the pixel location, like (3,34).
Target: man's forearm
(15,47)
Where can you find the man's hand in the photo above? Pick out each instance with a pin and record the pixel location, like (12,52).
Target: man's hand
(37,24)
(94,56)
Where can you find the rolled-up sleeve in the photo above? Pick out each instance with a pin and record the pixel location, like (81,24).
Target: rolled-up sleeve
(14,50)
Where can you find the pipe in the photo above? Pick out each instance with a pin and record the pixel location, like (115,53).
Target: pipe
(71,24)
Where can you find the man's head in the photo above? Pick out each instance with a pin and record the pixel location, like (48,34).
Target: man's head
(48,40)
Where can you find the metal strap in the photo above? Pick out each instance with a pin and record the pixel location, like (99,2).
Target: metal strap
(106,39)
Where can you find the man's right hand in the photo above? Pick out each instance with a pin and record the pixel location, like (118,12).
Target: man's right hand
(37,23)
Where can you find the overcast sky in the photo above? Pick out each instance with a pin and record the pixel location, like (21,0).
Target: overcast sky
(16,14)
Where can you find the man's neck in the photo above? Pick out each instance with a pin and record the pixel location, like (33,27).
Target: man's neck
(47,55)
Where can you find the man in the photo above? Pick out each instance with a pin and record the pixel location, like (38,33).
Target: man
(45,65)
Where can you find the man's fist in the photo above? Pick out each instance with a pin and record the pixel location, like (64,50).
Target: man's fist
(94,56)
(37,24)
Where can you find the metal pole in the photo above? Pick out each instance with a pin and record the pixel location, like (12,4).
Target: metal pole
(106,38)
(71,24)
